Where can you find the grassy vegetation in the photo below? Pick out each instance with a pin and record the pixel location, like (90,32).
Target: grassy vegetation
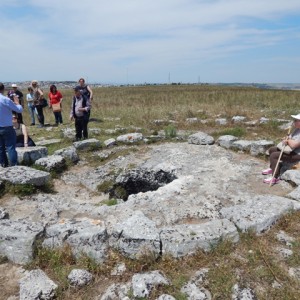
(254,261)
(139,106)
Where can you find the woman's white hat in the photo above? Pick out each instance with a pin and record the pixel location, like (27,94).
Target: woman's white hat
(297,117)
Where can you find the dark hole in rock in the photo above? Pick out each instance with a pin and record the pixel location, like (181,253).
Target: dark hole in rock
(139,180)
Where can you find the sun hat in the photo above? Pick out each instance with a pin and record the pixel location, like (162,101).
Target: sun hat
(34,81)
(297,117)
(14,85)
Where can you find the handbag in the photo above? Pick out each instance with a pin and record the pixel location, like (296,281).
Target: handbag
(56,107)
(43,102)
(286,148)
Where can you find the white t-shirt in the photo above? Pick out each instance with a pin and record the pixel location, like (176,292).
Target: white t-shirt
(29,98)
(296,136)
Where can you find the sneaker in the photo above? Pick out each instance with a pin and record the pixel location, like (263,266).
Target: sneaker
(267,171)
(273,180)
(32,124)
(40,126)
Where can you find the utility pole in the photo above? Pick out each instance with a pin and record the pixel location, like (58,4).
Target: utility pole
(169,77)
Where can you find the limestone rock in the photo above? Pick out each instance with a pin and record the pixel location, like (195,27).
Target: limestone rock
(24,175)
(130,137)
(82,235)
(283,237)
(292,176)
(110,142)
(29,155)
(3,214)
(165,297)
(68,153)
(52,162)
(181,240)
(118,270)
(226,141)
(37,285)
(243,293)
(221,121)
(258,213)
(18,239)
(136,236)
(79,278)
(47,142)
(201,138)
(193,292)
(242,145)
(87,144)
(238,119)
(260,147)
(142,284)
(116,291)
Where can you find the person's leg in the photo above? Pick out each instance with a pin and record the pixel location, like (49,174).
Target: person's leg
(39,109)
(84,129)
(56,117)
(274,156)
(60,117)
(3,157)
(10,145)
(78,128)
(31,112)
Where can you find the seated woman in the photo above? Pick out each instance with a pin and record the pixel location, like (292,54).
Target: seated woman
(23,139)
(293,141)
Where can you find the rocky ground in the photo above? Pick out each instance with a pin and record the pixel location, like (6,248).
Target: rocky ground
(175,198)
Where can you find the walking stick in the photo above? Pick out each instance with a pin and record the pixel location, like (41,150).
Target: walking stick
(279,158)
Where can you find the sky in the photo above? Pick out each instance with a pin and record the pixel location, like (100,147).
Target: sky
(151,41)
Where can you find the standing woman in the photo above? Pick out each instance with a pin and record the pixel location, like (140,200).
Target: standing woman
(55,99)
(29,98)
(38,98)
(86,91)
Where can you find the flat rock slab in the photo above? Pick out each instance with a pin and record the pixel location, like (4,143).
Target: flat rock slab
(259,213)
(84,235)
(47,142)
(24,175)
(18,238)
(182,240)
(29,155)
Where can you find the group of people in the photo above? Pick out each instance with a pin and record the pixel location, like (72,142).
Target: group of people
(13,132)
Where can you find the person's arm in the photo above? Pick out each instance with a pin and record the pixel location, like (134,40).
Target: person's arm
(15,105)
(71,112)
(91,92)
(293,143)
(49,102)
(25,133)
(41,94)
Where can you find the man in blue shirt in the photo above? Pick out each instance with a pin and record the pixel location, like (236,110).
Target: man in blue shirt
(7,132)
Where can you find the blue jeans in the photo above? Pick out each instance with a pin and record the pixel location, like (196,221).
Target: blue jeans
(8,143)
(31,112)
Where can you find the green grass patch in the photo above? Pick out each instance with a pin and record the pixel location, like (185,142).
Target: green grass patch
(236,131)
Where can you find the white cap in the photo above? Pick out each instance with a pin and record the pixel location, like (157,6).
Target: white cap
(14,85)
(297,117)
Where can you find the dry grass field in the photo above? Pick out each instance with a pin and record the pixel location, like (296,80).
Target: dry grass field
(139,106)
(254,261)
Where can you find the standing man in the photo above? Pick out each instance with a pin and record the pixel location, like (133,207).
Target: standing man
(79,111)
(12,93)
(7,132)
(86,91)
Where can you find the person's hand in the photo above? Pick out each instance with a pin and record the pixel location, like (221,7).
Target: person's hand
(16,100)
(71,119)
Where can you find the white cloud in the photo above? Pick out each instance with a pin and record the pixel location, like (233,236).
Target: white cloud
(64,39)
